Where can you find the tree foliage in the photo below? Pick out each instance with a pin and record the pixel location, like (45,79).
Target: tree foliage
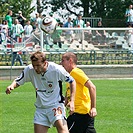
(91,8)
(15,6)
(106,9)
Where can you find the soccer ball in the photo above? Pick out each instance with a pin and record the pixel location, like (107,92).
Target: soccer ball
(48,25)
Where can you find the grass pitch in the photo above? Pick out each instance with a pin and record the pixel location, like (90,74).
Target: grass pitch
(114,107)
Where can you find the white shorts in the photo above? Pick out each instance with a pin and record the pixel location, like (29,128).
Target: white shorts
(47,117)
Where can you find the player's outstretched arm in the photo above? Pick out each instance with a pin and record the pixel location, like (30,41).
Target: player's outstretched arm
(11,87)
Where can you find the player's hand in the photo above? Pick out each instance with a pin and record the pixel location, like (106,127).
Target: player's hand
(93,112)
(71,105)
(66,101)
(9,89)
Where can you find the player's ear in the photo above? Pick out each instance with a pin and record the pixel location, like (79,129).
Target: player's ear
(45,63)
(71,60)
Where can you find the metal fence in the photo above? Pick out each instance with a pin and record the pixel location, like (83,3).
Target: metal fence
(92,57)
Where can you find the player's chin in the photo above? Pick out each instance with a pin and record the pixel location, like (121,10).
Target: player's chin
(38,72)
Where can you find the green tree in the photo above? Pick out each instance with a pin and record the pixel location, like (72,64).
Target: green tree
(15,6)
(3,8)
(91,8)
(111,11)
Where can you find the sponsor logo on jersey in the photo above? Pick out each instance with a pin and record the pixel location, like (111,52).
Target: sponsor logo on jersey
(46,91)
(43,78)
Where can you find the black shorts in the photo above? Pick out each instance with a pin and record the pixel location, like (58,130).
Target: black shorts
(80,123)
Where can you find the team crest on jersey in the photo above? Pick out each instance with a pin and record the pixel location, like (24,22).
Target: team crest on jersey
(50,84)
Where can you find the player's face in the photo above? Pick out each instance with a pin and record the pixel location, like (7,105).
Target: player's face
(39,66)
(66,64)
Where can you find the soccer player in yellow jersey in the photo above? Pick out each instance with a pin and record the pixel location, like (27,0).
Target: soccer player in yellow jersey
(82,120)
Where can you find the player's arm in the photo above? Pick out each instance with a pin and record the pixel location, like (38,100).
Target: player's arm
(72,96)
(92,90)
(11,87)
(66,100)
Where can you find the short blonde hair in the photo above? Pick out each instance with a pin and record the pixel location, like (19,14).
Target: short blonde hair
(69,55)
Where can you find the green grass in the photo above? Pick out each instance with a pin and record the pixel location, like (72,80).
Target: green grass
(114,107)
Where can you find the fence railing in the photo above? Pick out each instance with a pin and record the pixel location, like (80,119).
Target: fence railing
(92,57)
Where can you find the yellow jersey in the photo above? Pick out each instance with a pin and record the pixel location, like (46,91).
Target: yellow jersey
(82,96)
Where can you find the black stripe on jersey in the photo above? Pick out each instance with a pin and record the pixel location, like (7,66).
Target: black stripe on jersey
(69,79)
(19,78)
(61,94)
(41,90)
(36,94)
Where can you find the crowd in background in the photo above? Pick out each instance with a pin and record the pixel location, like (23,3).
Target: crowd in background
(21,28)
(129,24)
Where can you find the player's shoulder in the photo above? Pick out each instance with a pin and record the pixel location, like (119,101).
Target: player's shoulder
(29,67)
(55,67)
(78,70)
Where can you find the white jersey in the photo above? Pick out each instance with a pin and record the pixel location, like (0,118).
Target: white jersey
(28,29)
(130,18)
(17,29)
(47,85)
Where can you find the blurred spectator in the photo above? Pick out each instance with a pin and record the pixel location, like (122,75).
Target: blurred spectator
(56,36)
(69,23)
(37,21)
(2,36)
(100,34)
(4,29)
(17,30)
(88,33)
(80,24)
(129,34)
(8,17)
(69,33)
(17,57)
(21,18)
(28,29)
(129,15)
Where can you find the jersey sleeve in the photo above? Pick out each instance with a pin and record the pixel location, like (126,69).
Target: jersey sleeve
(65,76)
(79,76)
(24,77)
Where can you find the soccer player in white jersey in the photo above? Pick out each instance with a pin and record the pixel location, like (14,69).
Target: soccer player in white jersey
(47,78)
